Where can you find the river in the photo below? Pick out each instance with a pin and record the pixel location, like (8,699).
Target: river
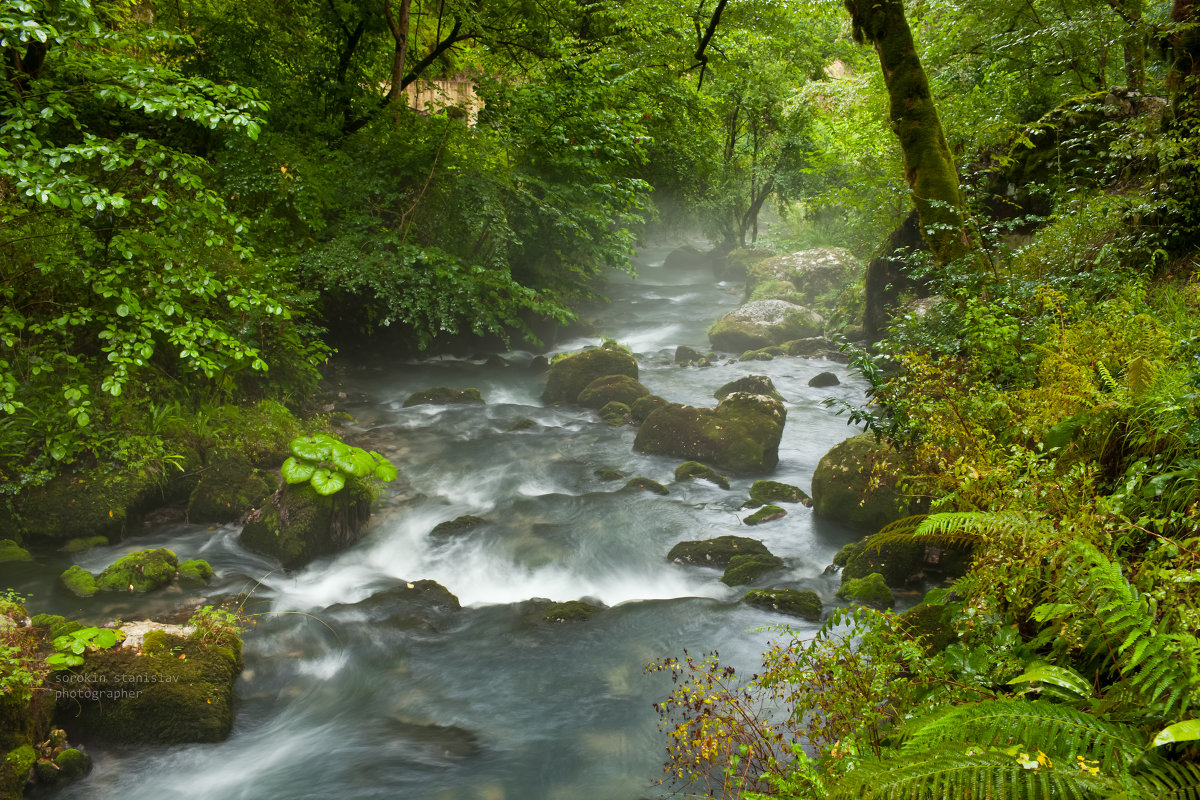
(350,693)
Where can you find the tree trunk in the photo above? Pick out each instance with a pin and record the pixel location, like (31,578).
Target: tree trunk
(1183,80)
(398,25)
(928,163)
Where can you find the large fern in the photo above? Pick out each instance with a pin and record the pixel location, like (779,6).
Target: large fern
(951,528)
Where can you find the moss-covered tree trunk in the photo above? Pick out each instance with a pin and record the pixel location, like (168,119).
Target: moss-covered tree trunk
(1183,80)
(928,163)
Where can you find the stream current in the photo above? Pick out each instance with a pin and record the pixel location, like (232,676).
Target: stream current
(349,692)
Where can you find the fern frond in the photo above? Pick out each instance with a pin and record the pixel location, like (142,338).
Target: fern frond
(969,772)
(948,528)
(1170,781)
(1058,730)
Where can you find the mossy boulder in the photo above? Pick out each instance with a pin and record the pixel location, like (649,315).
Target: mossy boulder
(228,488)
(14,771)
(443,396)
(812,275)
(645,484)
(570,611)
(616,414)
(298,524)
(741,434)
(687,355)
(842,484)
(688,257)
(763,492)
(762,323)
(180,693)
(694,469)
(803,603)
(736,264)
(569,375)
(810,346)
(900,563)
(143,571)
(716,552)
(11,551)
(194,573)
(823,379)
(523,424)
(869,591)
(746,569)
(607,474)
(72,764)
(76,505)
(776,290)
(767,513)
(457,525)
(79,581)
(611,388)
(765,354)
(645,406)
(83,543)
(753,384)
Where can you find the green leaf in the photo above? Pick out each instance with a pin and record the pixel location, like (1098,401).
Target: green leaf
(1058,676)
(386,472)
(353,461)
(327,482)
(312,448)
(296,470)
(1186,731)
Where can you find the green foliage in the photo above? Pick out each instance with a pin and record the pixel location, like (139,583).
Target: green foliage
(325,462)
(71,647)
(216,625)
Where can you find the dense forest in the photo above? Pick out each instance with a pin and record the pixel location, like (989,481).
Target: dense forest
(203,201)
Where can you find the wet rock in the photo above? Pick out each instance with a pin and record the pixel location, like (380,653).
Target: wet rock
(654,487)
(688,257)
(298,525)
(686,355)
(570,374)
(763,323)
(763,492)
(736,264)
(868,591)
(645,406)
(457,525)
(84,543)
(570,611)
(694,469)
(79,581)
(143,571)
(741,434)
(616,414)
(823,379)
(753,384)
(611,388)
(442,396)
(73,506)
(717,552)
(402,602)
(767,513)
(812,274)
(746,569)
(228,488)
(842,484)
(194,573)
(606,474)
(11,551)
(539,364)
(802,603)
(495,361)
(765,354)
(523,424)
(810,346)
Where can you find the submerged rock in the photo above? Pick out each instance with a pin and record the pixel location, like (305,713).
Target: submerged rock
(142,571)
(763,492)
(717,552)
(687,355)
(654,487)
(457,525)
(763,323)
(689,256)
(823,379)
(802,603)
(443,395)
(607,474)
(570,611)
(298,525)
(754,384)
(767,513)
(747,569)
(868,591)
(741,434)
(523,424)
(694,469)
(84,543)
(570,374)
(842,484)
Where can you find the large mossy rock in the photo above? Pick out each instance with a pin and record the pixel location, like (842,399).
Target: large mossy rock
(754,384)
(78,505)
(178,690)
(746,569)
(143,571)
(443,396)
(717,552)
(810,274)
(803,603)
(298,525)
(842,484)
(741,434)
(762,323)
(868,591)
(570,374)
(78,581)
(11,551)
(228,488)
(611,389)
(899,563)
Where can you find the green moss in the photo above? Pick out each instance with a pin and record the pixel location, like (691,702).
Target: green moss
(802,603)
(300,525)
(571,374)
(806,347)
(763,323)
(645,406)
(156,641)
(13,776)
(741,434)
(694,469)
(76,505)
(442,396)
(259,433)
(616,414)
(869,591)
(194,573)
(73,764)
(611,388)
(746,569)
(606,474)
(767,513)
(143,571)
(457,525)
(63,628)
(716,552)
(570,611)
(81,582)
(11,551)
(84,543)
(855,483)
(228,488)
(46,621)
(847,552)
(181,693)
(776,290)
(765,354)
(899,563)
(753,384)
(648,485)
(763,492)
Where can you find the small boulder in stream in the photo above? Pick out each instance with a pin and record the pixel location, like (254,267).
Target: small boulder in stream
(823,379)
(741,434)
(743,570)
(762,323)
(443,396)
(297,525)
(767,513)
(654,487)
(754,384)
(570,374)
(803,603)
(609,389)
(763,492)
(855,483)
(694,469)
(716,552)
(457,525)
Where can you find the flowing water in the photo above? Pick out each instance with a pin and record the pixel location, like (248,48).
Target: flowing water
(352,691)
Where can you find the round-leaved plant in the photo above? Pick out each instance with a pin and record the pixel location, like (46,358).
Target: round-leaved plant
(325,462)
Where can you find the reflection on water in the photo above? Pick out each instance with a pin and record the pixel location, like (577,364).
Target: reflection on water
(352,689)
